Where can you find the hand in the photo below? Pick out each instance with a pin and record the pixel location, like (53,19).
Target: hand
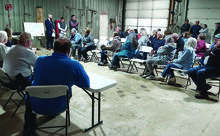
(53,30)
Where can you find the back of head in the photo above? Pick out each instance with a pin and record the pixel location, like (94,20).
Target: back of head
(3,36)
(87,30)
(24,38)
(169,40)
(191,42)
(175,35)
(143,32)
(115,34)
(62,45)
(202,36)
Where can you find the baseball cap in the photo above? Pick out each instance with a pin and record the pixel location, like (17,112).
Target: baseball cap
(217,36)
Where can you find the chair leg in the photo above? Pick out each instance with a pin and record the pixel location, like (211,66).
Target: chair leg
(8,100)
(18,107)
(218,88)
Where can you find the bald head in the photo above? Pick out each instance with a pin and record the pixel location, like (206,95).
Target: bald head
(62,45)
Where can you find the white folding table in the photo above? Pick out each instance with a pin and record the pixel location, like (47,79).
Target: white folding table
(97,85)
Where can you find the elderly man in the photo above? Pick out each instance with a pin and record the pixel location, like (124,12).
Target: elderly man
(65,71)
(195,30)
(20,59)
(158,42)
(120,33)
(76,40)
(211,69)
(50,32)
(179,43)
(3,48)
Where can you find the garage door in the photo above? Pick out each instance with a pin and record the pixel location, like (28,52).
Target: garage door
(207,12)
(148,14)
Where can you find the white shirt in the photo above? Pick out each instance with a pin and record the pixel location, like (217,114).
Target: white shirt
(3,51)
(19,60)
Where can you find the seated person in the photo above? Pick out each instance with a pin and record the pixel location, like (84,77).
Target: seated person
(115,47)
(186,36)
(9,33)
(87,45)
(201,47)
(127,51)
(217,36)
(165,55)
(156,43)
(76,40)
(57,69)
(142,41)
(153,36)
(185,61)
(211,69)
(20,59)
(119,32)
(3,48)
(179,43)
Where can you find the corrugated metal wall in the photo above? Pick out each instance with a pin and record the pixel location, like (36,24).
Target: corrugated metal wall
(25,11)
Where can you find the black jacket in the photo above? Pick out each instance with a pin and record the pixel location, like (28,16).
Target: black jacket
(214,57)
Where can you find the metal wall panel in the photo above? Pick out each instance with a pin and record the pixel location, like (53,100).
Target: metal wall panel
(138,11)
(25,10)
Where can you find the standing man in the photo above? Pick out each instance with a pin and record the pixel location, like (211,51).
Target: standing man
(62,27)
(185,27)
(195,30)
(73,23)
(49,31)
(217,31)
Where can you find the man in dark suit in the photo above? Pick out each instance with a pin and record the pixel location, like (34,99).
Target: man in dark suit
(50,32)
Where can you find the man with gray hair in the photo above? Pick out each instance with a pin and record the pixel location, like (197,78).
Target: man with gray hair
(3,48)
(165,54)
(20,59)
(49,31)
(179,43)
(76,40)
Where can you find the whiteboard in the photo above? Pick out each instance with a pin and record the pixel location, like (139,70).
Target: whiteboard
(35,29)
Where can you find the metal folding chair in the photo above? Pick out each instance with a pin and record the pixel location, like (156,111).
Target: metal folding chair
(47,95)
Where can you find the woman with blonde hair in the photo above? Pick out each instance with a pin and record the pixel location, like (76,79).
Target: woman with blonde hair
(185,61)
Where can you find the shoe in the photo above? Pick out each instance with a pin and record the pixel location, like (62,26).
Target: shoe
(208,87)
(172,81)
(146,74)
(100,64)
(200,95)
(160,78)
(110,66)
(106,63)
(150,77)
(115,66)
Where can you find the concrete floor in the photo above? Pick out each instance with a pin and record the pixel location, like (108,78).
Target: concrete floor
(135,107)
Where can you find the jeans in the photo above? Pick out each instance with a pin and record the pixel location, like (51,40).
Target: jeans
(115,60)
(149,64)
(104,56)
(199,75)
(83,51)
(74,47)
(50,42)
(169,71)
(139,56)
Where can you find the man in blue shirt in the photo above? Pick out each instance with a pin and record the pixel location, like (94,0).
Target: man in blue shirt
(156,43)
(195,30)
(57,69)
(76,40)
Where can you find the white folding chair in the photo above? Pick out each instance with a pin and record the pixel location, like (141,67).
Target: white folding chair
(47,95)
(4,80)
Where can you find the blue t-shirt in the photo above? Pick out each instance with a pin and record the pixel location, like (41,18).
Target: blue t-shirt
(57,69)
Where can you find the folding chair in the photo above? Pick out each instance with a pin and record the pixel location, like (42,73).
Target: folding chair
(212,84)
(4,80)
(96,51)
(54,99)
(188,81)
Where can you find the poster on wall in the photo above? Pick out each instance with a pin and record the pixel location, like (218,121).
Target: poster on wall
(35,29)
